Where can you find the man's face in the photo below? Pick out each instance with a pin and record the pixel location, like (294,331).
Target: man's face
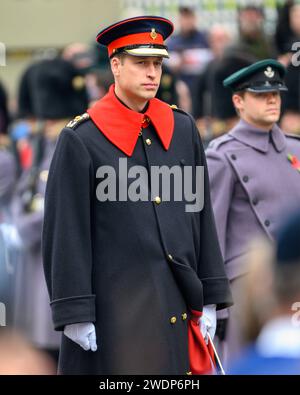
(137,77)
(261,109)
(187,23)
(295,19)
(250,22)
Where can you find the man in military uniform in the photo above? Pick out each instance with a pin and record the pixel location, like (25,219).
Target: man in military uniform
(253,170)
(128,278)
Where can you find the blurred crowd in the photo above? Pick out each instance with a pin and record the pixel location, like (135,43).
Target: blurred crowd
(53,90)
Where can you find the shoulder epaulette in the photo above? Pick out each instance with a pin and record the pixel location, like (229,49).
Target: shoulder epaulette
(293,136)
(78,120)
(217,142)
(174,107)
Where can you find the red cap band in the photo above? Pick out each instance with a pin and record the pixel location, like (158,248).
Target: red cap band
(135,39)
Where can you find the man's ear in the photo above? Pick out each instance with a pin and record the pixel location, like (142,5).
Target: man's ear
(237,101)
(115,66)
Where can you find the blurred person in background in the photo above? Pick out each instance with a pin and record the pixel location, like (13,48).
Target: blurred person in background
(252,39)
(205,109)
(9,241)
(174,91)
(58,94)
(97,79)
(252,44)
(18,357)
(80,55)
(290,121)
(167,90)
(189,49)
(288,27)
(225,115)
(26,128)
(288,45)
(269,305)
(4,114)
(254,174)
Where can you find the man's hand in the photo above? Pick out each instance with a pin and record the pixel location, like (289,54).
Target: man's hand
(83,334)
(208,321)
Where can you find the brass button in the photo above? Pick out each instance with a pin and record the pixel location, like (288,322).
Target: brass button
(189,373)
(173,320)
(157,200)
(170,257)
(148,142)
(184,316)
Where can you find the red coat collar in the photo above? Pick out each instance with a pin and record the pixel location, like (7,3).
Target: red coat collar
(122,126)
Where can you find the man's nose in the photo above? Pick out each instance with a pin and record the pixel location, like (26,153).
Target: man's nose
(151,71)
(272,97)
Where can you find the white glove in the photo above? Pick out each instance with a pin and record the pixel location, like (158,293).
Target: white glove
(208,321)
(83,334)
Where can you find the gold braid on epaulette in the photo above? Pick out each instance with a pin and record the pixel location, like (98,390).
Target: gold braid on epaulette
(78,120)
(174,107)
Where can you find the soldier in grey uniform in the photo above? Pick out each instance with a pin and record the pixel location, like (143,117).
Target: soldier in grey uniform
(59,94)
(254,174)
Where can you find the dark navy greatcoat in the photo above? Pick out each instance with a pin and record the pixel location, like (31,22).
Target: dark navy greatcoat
(114,263)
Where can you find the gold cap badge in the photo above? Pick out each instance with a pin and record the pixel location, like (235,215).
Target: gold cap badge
(153,34)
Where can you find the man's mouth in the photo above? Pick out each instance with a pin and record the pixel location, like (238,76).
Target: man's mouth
(150,85)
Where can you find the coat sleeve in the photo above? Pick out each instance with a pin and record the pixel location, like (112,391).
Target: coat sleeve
(67,241)
(211,270)
(221,189)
